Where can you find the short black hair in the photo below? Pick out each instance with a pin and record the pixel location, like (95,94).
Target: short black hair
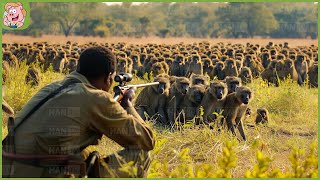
(96,61)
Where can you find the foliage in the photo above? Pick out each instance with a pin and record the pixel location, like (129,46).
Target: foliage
(201,20)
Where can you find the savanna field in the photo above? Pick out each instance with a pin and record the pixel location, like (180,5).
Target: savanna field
(285,147)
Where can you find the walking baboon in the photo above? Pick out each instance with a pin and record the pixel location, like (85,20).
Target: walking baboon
(234,109)
(232,83)
(152,100)
(177,93)
(262,116)
(213,99)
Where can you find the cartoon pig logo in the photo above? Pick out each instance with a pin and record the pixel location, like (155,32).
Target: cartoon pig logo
(14,15)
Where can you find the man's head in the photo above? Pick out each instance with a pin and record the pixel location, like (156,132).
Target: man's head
(98,65)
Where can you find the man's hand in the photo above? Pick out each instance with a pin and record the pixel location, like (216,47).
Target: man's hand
(128,97)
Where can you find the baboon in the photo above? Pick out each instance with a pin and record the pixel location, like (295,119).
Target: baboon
(232,83)
(23,54)
(267,74)
(122,66)
(157,68)
(72,64)
(191,104)
(213,100)
(245,75)
(218,71)
(178,66)
(51,56)
(197,79)
(239,65)
(262,116)
(60,62)
(165,67)
(283,70)
(265,57)
(207,66)
(10,58)
(313,75)
(195,66)
(234,109)
(36,57)
(177,93)
(301,66)
(230,68)
(152,100)
(32,77)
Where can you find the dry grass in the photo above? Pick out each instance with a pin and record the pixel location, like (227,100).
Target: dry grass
(293,124)
(7,38)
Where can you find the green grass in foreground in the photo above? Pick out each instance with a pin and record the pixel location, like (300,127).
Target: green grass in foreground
(274,150)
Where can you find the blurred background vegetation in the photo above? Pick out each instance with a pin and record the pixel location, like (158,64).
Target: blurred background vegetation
(197,20)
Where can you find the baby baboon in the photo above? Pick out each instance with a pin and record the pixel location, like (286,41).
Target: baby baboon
(197,79)
(213,99)
(32,77)
(301,66)
(230,68)
(177,93)
(245,75)
(234,109)
(195,66)
(152,100)
(218,71)
(262,116)
(191,104)
(313,75)
(232,83)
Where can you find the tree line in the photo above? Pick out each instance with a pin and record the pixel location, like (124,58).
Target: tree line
(198,20)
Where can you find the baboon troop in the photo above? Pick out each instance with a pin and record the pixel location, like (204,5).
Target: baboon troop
(191,76)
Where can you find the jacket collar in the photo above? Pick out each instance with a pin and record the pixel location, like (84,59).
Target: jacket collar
(80,77)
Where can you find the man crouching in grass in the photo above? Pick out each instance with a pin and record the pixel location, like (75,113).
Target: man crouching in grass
(53,129)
